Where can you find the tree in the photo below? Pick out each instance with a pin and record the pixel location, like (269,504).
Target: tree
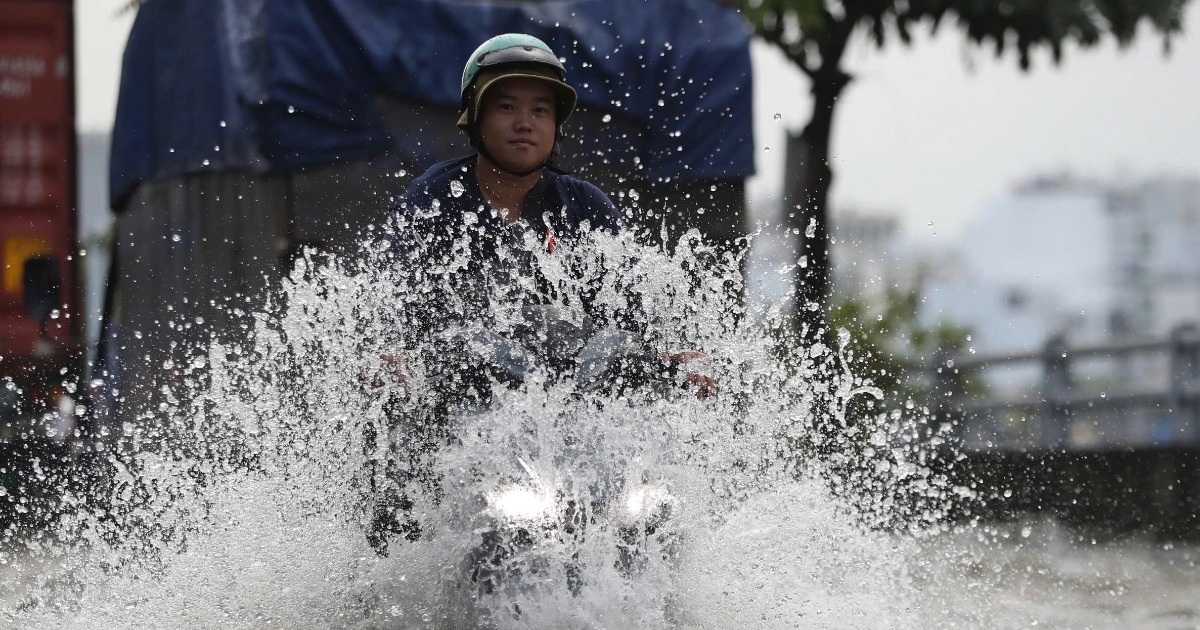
(814,35)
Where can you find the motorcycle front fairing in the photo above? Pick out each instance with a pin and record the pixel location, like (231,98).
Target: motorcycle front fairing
(464,366)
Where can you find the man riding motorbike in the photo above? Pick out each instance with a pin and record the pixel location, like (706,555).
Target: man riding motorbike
(492,204)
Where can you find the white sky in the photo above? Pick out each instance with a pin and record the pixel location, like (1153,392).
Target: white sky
(919,133)
(99,42)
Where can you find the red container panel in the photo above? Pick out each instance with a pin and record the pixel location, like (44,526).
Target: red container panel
(37,165)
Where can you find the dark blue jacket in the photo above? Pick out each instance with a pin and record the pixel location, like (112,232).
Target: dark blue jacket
(444,209)
(559,202)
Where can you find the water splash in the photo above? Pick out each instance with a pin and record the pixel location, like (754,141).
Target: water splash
(250,498)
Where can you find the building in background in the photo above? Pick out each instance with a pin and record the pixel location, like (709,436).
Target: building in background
(1089,260)
(1084,261)
(1036,263)
(868,254)
(1155,268)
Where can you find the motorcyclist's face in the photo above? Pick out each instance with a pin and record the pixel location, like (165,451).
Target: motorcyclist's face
(517,123)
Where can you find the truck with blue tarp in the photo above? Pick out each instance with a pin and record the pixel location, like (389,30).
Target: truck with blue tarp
(247,130)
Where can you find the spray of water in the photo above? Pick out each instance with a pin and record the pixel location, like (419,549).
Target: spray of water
(295,480)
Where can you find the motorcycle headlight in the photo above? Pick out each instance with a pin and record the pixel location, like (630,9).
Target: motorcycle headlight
(648,503)
(519,503)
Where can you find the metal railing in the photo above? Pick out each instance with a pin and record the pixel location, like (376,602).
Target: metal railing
(1061,412)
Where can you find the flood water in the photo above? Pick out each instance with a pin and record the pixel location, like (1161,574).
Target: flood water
(978,578)
(1038,573)
(249,497)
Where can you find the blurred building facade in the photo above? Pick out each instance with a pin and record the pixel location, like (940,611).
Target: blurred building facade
(868,254)
(1085,259)
(1058,258)
(1155,238)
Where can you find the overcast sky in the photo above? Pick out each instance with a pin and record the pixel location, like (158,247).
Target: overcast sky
(930,132)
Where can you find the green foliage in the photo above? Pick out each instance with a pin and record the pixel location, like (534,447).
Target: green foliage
(807,29)
(888,347)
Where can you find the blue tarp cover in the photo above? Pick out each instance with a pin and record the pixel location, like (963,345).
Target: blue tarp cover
(278,85)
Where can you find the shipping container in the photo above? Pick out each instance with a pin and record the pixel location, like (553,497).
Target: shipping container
(40,327)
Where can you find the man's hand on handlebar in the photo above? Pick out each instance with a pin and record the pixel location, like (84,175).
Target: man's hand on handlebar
(706,386)
(392,370)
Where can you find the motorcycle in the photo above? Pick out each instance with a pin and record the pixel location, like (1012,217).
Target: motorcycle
(519,519)
(528,527)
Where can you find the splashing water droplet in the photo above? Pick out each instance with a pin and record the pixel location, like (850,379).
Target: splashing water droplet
(300,449)
(456,188)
